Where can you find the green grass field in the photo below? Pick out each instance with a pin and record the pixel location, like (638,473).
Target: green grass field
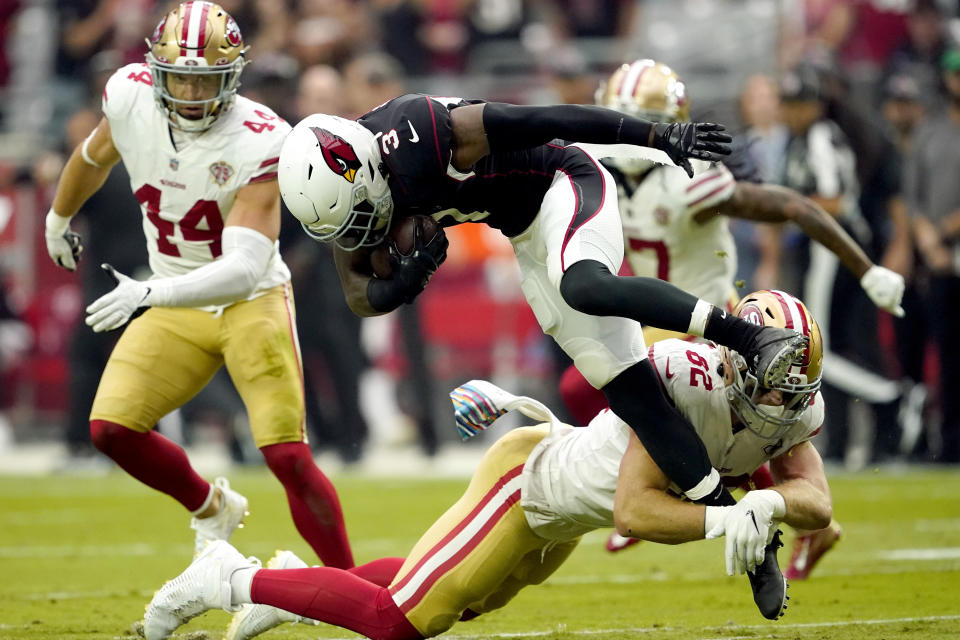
(81,556)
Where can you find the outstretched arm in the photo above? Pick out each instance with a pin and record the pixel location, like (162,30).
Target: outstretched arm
(771,203)
(643,509)
(496,126)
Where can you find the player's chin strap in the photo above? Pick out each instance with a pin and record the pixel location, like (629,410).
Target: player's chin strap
(477,405)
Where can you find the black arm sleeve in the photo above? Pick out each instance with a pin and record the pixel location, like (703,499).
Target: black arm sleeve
(671,441)
(511,127)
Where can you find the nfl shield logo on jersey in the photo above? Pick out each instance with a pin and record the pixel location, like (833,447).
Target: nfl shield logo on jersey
(221,172)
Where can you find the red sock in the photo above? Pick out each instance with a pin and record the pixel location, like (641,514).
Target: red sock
(380,572)
(582,400)
(314,504)
(336,597)
(153,460)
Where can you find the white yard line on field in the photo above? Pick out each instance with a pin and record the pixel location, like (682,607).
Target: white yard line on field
(941,553)
(815,625)
(614,632)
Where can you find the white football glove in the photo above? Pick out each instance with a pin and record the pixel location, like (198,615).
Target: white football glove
(114,309)
(749,526)
(63,245)
(885,288)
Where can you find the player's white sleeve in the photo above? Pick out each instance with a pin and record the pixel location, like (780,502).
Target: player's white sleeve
(709,189)
(232,277)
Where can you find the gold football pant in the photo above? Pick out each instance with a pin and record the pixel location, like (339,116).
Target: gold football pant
(168,354)
(481,552)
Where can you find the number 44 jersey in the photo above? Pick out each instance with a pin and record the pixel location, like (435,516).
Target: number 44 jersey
(186,183)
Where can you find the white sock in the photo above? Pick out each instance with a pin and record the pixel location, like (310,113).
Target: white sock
(241,582)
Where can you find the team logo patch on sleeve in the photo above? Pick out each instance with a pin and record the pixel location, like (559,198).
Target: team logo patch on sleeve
(221,172)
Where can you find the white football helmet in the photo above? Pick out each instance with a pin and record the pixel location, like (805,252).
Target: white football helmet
(197,39)
(333,180)
(645,89)
(775,309)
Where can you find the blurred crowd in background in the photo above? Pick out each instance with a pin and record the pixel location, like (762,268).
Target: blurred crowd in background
(847,101)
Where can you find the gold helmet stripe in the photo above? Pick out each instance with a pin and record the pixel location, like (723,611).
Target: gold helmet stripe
(193,37)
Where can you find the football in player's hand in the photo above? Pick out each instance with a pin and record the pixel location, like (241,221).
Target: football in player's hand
(403,236)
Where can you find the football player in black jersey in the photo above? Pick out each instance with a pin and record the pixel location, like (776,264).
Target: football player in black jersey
(507,166)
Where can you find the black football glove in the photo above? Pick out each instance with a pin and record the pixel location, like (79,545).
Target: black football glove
(683,140)
(413,271)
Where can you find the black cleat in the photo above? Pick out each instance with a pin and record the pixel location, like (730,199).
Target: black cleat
(773,352)
(768,584)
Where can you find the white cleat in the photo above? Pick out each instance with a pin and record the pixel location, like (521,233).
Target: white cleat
(222,524)
(204,585)
(254,619)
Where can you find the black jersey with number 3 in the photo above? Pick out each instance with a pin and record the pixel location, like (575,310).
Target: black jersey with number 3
(503,190)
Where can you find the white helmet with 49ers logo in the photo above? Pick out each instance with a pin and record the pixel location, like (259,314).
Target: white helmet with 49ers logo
(332,179)
(775,309)
(198,47)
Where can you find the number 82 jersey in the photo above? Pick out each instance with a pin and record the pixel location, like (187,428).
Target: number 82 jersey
(187,190)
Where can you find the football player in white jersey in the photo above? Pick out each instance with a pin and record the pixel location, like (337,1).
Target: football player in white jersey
(676,229)
(203,164)
(539,489)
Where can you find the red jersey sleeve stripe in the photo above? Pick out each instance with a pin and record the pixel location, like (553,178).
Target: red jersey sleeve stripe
(708,196)
(710,177)
(263,177)
(269,161)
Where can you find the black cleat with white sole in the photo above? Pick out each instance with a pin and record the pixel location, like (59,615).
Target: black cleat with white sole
(773,352)
(768,584)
